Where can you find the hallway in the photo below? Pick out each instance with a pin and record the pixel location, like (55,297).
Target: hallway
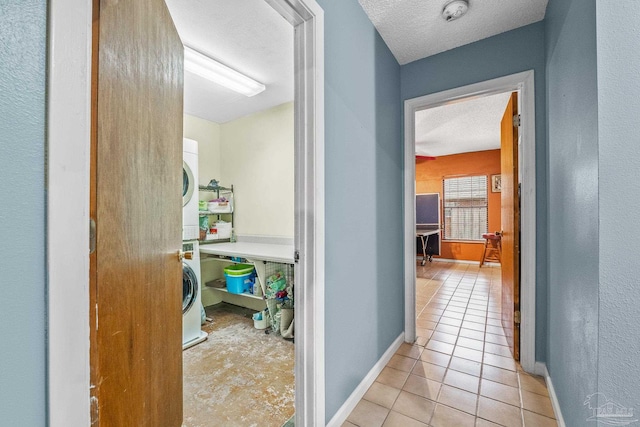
(460,371)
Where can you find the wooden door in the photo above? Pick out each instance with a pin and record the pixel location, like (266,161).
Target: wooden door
(136,288)
(510,215)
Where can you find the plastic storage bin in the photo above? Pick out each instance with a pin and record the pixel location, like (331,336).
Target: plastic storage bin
(239,284)
(240,278)
(238,269)
(261,320)
(224,229)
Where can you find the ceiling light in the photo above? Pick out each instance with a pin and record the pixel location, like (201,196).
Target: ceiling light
(455,9)
(212,70)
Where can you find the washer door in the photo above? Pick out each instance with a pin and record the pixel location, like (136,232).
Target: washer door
(189,287)
(188,184)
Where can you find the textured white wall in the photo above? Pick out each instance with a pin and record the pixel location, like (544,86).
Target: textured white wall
(257,157)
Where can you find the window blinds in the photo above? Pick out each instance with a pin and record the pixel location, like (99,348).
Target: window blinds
(465,207)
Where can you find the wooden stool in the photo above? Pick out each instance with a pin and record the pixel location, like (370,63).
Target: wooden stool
(492,248)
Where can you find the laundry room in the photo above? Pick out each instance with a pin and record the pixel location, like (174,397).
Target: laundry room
(238,214)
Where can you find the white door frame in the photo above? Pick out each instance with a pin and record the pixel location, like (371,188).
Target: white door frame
(307,19)
(524,83)
(68,179)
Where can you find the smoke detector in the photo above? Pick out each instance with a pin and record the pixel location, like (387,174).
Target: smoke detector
(455,9)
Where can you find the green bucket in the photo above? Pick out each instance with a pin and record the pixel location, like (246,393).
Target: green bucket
(239,269)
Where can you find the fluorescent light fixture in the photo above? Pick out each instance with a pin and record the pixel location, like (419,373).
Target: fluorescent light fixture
(208,68)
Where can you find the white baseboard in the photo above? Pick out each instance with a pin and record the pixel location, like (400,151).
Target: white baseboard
(461,261)
(348,406)
(541,369)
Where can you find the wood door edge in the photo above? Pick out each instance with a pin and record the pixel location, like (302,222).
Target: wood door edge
(94,388)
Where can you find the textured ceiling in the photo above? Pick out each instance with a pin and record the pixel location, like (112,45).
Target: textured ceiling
(251,37)
(461,127)
(415,29)
(246,35)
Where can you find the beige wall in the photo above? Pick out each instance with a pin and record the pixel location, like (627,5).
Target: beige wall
(258,159)
(256,155)
(208,136)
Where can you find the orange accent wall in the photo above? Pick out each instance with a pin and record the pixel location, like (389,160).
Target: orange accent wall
(429,176)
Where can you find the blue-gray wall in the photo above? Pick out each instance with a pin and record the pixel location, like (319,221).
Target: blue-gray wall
(22,212)
(585,111)
(618,32)
(593,99)
(363,149)
(508,53)
(573,203)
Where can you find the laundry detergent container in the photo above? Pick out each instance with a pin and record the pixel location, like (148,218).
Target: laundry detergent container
(240,278)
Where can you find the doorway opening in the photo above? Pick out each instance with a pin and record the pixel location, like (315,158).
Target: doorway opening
(68,312)
(245,172)
(523,84)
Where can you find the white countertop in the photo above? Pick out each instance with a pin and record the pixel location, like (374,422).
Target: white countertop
(256,251)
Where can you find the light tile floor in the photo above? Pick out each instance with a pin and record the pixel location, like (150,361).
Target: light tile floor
(460,371)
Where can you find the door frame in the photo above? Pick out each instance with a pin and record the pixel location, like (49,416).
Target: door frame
(67,235)
(524,83)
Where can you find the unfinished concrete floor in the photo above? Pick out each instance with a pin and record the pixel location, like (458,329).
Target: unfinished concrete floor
(240,376)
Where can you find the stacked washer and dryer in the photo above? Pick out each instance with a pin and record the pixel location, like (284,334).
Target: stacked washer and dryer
(192,333)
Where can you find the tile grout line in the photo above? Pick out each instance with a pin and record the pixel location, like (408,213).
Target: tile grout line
(430,299)
(474,291)
(484,343)
(521,398)
(448,368)
(467,287)
(450,357)
(430,338)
